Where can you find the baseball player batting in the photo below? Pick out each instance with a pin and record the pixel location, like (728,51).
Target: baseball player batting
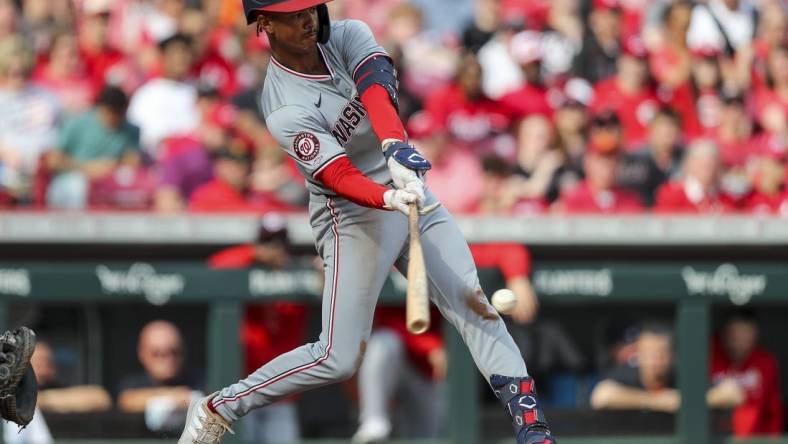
(330,100)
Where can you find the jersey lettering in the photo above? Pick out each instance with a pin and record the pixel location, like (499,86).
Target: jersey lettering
(349,119)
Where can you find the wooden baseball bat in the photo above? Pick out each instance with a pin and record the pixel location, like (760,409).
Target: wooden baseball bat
(418,302)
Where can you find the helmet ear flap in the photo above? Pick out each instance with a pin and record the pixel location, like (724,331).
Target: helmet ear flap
(324,24)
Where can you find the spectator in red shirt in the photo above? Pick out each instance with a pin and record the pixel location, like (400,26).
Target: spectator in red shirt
(102,61)
(461,106)
(671,62)
(65,74)
(599,193)
(540,161)
(227,192)
(629,93)
(531,98)
(270,328)
(736,355)
(456,174)
(769,194)
(698,191)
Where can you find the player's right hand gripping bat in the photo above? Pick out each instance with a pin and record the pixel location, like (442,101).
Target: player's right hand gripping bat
(418,302)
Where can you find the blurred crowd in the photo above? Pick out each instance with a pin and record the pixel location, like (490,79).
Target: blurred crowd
(523,106)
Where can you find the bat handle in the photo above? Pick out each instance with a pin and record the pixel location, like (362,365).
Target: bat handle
(413,220)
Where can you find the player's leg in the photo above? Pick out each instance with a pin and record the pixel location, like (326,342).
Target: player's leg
(455,290)
(358,247)
(378,379)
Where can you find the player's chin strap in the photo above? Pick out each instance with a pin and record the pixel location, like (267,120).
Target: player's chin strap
(518,395)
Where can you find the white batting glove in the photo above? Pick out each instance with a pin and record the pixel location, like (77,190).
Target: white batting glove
(399,200)
(402,175)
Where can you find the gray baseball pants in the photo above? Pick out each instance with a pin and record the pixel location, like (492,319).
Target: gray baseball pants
(359,246)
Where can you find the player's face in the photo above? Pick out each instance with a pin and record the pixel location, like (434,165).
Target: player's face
(295,31)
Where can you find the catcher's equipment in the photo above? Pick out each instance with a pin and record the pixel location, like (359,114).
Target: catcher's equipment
(18,388)
(253,7)
(518,396)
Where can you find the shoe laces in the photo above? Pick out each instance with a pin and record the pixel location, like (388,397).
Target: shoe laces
(209,429)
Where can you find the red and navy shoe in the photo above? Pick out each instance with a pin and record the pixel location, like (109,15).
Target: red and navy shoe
(518,395)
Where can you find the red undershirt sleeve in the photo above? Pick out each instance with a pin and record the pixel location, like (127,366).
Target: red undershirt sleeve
(382,114)
(346,180)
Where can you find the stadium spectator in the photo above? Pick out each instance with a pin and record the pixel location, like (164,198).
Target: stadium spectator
(164,380)
(470,117)
(646,169)
(185,159)
(736,355)
(405,367)
(775,88)
(698,190)
(599,192)
(769,194)
(458,193)
(228,190)
(601,43)
(671,62)
(269,329)
(649,382)
(539,162)
(29,116)
(104,63)
(629,93)
(562,39)
(166,105)
(55,396)
(43,18)
(727,25)
(90,147)
(571,123)
(531,97)
(9,18)
(483,26)
(64,74)
(734,133)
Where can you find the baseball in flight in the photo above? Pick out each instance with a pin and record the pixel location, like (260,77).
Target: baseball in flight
(504,300)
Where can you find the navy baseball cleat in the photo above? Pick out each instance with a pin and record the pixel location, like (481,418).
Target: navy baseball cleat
(518,395)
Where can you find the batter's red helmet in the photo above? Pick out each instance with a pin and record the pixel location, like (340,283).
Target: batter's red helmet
(251,7)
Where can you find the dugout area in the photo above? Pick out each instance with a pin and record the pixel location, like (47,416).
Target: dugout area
(102,292)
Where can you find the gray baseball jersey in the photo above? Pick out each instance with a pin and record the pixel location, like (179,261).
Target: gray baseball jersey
(318,119)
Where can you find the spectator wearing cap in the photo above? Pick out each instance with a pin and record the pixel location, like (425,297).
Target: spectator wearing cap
(599,192)
(698,189)
(29,116)
(103,62)
(601,44)
(63,73)
(645,170)
(531,97)
(572,120)
(455,177)
(271,328)
(461,106)
(630,94)
(769,195)
(90,148)
(737,356)
(166,105)
(722,24)
(228,190)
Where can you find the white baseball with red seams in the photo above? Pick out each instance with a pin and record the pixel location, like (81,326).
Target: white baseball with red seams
(318,119)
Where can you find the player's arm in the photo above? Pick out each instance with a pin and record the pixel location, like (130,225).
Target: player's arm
(377,85)
(612,395)
(319,155)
